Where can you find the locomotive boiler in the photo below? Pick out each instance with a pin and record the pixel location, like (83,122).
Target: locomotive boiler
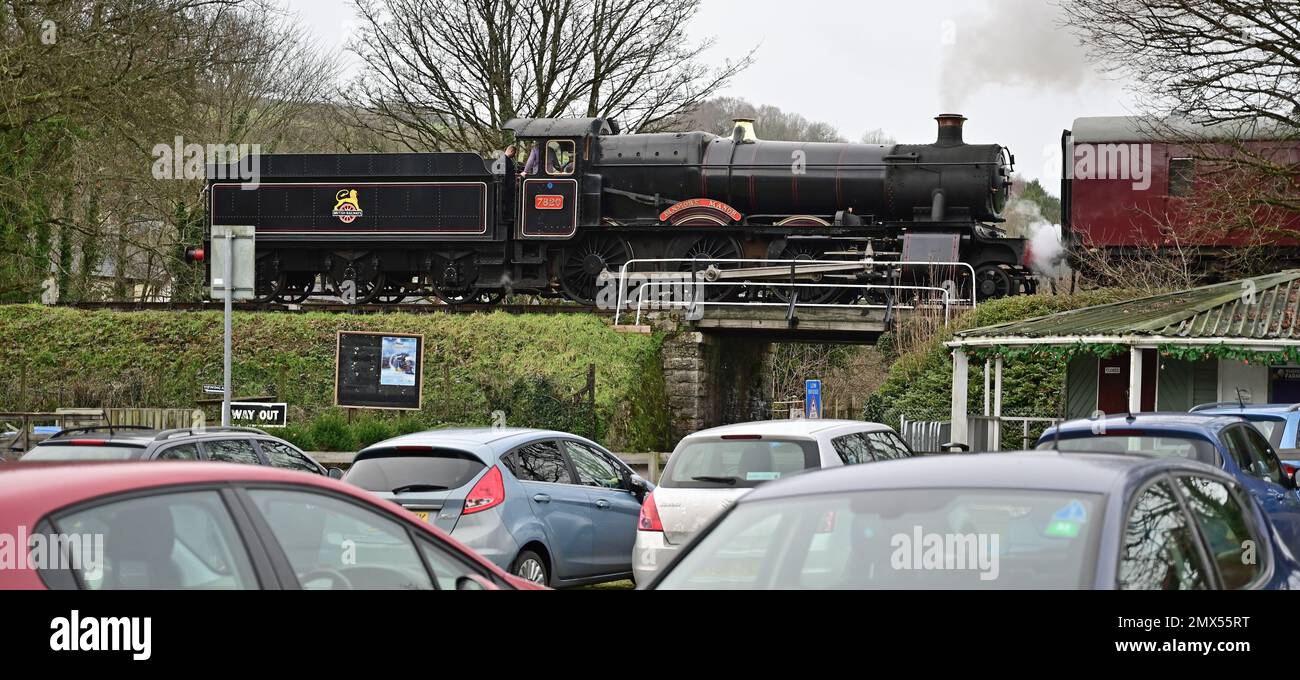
(390,226)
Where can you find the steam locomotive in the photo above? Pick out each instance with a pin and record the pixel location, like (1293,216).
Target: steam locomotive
(386,227)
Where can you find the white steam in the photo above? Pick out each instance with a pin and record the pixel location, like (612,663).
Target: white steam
(1048,256)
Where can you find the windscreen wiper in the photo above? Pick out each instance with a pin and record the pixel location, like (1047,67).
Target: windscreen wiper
(720,480)
(419,487)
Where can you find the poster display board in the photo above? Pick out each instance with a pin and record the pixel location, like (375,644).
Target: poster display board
(379,370)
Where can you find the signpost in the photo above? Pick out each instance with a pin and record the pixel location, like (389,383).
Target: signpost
(233,255)
(812,399)
(259,414)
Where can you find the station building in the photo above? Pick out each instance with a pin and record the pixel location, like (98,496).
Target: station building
(1226,342)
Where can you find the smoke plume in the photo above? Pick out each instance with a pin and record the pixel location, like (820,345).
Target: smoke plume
(1010,42)
(1025,220)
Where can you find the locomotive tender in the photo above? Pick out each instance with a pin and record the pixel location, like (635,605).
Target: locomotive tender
(391,226)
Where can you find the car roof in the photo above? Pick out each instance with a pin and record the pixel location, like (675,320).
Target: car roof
(1028,470)
(145,436)
(802,427)
(491,437)
(1173,421)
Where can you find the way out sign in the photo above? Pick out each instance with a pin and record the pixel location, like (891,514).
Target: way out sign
(812,399)
(259,415)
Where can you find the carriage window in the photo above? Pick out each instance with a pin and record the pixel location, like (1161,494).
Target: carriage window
(1182,176)
(559,157)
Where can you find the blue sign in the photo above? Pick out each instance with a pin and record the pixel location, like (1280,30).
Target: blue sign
(812,399)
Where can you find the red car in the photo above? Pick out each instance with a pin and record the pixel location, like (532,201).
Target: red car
(174,526)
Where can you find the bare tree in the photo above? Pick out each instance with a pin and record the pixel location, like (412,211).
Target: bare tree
(770,122)
(447,74)
(1221,73)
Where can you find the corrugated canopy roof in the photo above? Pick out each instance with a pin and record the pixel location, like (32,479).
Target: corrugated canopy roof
(1260,308)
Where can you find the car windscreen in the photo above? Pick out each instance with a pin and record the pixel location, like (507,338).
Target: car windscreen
(738,463)
(899,539)
(107,451)
(414,470)
(1163,444)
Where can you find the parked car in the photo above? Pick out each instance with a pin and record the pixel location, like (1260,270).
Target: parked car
(551,507)
(1029,520)
(1279,423)
(199,525)
(711,468)
(1229,443)
(218,444)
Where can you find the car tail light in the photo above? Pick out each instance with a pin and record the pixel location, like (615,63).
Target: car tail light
(88,442)
(488,493)
(1290,469)
(749,437)
(649,520)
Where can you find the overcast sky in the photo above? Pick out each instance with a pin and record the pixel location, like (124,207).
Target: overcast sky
(893,64)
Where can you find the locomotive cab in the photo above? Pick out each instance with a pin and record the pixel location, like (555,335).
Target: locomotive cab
(560,194)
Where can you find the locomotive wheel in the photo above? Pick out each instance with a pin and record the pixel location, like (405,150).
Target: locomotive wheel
(582,265)
(297,289)
(816,296)
(366,291)
(266,290)
(703,252)
(391,294)
(991,282)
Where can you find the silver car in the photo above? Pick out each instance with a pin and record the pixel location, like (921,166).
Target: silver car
(710,469)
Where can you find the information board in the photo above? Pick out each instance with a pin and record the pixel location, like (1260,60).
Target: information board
(379,370)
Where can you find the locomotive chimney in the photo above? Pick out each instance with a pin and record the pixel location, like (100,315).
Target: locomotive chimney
(742,131)
(950,125)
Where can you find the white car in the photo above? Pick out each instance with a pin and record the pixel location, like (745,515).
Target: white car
(710,469)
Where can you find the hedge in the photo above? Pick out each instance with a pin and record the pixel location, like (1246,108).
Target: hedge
(527,366)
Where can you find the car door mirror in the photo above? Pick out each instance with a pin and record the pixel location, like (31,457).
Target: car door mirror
(335,473)
(474,582)
(639,487)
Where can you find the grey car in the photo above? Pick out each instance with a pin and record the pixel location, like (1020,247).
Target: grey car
(551,507)
(1037,520)
(217,444)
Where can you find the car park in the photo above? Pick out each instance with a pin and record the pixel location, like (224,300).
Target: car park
(550,507)
(1279,423)
(710,469)
(1029,520)
(218,444)
(1227,442)
(201,525)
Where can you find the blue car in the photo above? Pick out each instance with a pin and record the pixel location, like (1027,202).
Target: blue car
(1227,442)
(1030,520)
(1280,423)
(550,507)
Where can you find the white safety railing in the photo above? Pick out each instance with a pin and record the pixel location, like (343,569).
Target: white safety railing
(688,304)
(621,300)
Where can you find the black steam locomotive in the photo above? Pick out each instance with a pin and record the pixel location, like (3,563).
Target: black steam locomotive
(386,227)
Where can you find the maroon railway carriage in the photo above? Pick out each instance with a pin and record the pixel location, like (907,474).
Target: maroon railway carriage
(1135,184)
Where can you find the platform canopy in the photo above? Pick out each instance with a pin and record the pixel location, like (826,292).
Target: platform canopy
(1254,319)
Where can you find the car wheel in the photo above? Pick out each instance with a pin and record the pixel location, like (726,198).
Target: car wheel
(530,566)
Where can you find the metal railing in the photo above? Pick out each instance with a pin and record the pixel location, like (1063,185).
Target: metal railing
(925,436)
(849,265)
(984,433)
(690,304)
